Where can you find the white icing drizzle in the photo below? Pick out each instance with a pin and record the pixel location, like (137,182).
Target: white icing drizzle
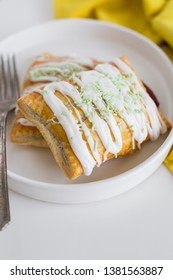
(104,93)
(53,71)
(156,125)
(25,122)
(30,89)
(68,90)
(84,61)
(68,122)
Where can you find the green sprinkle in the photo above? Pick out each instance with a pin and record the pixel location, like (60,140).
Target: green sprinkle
(139,111)
(35,74)
(64,113)
(131,127)
(93,127)
(77,103)
(119,125)
(96,86)
(52,73)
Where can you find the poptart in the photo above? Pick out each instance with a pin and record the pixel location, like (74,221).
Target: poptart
(94,115)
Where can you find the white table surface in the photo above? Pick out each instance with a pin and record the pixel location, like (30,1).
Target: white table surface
(135,225)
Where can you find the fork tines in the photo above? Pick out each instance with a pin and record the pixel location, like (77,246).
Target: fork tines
(9,82)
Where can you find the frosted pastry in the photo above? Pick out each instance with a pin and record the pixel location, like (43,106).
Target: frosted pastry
(93,116)
(45,69)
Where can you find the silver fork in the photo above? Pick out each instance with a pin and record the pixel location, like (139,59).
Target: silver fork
(9,92)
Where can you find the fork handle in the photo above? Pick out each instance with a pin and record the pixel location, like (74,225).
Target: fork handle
(4,200)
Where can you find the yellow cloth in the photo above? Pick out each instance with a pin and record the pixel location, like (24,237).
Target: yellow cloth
(152,18)
(169,161)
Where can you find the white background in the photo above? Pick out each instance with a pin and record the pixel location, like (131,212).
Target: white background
(16,15)
(134,225)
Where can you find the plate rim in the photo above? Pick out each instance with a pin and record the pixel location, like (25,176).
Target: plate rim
(90,21)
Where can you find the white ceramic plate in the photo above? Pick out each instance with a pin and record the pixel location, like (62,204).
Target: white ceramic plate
(32,171)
